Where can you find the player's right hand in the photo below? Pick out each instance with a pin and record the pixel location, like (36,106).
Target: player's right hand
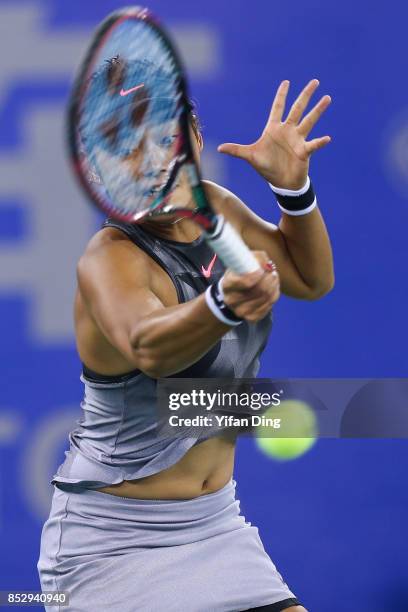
(251,296)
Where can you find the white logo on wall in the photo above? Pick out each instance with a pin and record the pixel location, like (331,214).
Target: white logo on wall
(40,456)
(39,460)
(42,268)
(396,153)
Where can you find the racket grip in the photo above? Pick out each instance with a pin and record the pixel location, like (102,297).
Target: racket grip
(231,249)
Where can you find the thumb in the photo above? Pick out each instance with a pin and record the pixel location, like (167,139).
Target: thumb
(236,150)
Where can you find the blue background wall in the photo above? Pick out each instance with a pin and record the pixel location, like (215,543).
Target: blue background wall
(334,521)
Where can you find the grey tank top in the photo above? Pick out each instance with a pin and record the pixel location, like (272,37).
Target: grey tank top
(116,437)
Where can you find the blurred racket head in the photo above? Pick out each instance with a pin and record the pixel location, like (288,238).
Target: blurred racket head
(128,120)
(129,133)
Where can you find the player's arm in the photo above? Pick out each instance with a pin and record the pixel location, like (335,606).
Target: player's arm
(300,245)
(160,340)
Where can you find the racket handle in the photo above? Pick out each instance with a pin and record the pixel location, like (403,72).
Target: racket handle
(231,249)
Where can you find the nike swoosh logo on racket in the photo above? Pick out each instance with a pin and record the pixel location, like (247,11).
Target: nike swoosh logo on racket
(126,92)
(207,271)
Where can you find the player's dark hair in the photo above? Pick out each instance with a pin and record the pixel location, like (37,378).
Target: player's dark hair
(115,70)
(195,119)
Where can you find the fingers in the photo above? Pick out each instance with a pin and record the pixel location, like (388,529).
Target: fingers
(251,296)
(244,282)
(258,307)
(236,150)
(269,266)
(310,120)
(253,315)
(301,102)
(316,144)
(267,285)
(278,106)
(265,291)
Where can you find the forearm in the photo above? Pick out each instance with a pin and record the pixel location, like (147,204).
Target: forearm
(301,249)
(171,339)
(308,245)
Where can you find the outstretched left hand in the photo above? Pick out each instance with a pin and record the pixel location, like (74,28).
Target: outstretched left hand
(281,155)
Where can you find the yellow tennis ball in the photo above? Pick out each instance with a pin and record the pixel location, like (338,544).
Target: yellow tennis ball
(296,434)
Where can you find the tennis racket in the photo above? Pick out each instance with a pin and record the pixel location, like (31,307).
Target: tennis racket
(129,132)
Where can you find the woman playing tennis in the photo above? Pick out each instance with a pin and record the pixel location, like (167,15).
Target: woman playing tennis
(143,524)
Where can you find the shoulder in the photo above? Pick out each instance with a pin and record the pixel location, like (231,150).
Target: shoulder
(111,250)
(110,242)
(105,238)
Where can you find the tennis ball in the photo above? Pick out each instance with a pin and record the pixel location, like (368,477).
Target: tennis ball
(296,435)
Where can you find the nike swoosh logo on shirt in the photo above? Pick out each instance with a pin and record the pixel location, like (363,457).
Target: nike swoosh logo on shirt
(207,271)
(126,92)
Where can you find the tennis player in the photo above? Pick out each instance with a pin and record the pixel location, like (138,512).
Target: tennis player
(146,524)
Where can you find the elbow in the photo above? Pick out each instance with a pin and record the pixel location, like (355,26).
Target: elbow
(149,362)
(147,358)
(154,364)
(321,289)
(152,369)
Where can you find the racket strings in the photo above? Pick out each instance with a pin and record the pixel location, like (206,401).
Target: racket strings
(128,132)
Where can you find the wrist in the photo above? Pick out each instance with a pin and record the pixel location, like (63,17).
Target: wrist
(296,185)
(214,297)
(292,191)
(296,202)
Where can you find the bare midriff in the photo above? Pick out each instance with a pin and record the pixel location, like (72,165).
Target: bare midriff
(204,469)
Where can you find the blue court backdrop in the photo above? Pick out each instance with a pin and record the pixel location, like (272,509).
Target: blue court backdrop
(333,521)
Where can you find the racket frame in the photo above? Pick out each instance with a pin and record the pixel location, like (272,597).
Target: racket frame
(218,232)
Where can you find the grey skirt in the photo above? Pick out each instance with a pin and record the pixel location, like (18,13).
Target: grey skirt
(129,555)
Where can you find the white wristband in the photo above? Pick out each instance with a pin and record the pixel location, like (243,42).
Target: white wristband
(291,192)
(220,289)
(299,213)
(216,311)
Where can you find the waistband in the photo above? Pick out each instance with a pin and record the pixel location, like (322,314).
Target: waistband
(199,507)
(145,522)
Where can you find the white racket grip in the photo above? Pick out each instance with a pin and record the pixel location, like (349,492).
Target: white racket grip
(231,249)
